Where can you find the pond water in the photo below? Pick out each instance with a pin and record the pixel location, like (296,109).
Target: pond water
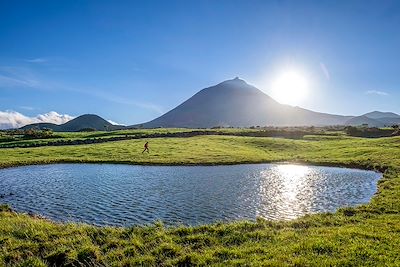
(111,194)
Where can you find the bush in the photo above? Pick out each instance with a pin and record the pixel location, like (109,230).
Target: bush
(368,132)
(87,130)
(38,134)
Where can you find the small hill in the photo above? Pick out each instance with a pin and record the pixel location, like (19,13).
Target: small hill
(360,120)
(87,121)
(236,103)
(376,119)
(381,115)
(41,126)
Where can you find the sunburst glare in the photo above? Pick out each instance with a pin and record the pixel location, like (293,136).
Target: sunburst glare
(290,87)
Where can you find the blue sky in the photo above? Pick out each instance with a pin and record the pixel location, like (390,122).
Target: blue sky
(130,61)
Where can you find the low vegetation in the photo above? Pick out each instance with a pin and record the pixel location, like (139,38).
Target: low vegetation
(372,132)
(36,138)
(367,235)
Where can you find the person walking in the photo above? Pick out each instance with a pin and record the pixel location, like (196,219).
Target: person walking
(146,147)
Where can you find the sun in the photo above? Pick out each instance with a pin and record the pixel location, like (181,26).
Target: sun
(290,87)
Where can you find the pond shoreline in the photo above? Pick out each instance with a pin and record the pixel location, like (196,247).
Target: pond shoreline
(318,183)
(361,166)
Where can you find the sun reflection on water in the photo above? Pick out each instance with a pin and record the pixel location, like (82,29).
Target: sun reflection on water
(289,192)
(292,179)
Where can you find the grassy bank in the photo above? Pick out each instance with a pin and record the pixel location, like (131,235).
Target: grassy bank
(366,236)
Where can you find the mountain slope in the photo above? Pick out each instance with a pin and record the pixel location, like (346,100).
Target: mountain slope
(381,115)
(41,126)
(238,104)
(356,121)
(87,121)
(390,121)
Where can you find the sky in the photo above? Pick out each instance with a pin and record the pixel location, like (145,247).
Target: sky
(131,61)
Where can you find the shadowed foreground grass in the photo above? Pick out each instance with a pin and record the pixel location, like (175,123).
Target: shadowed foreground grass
(367,235)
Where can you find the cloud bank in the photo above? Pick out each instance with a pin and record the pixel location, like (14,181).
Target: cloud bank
(115,123)
(12,119)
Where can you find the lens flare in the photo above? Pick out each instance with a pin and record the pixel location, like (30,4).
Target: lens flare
(290,87)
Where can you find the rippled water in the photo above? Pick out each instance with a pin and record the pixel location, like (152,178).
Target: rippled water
(107,194)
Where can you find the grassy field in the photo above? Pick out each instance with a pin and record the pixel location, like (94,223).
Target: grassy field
(10,139)
(35,138)
(367,235)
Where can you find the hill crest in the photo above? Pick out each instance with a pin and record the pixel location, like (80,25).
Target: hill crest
(82,122)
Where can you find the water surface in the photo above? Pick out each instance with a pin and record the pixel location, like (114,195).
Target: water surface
(111,194)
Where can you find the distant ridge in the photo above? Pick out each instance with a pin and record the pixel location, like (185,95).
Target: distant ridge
(360,120)
(83,122)
(375,119)
(381,115)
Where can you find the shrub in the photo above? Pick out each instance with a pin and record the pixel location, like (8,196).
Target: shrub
(38,134)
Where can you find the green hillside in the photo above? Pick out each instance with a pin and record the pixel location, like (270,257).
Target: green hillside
(83,122)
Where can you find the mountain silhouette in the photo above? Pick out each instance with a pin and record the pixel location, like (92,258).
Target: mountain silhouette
(235,103)
(83,122)
(232,103)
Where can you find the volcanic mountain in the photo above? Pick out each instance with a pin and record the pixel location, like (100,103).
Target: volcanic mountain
(232,103)
(83,122)
(236,103)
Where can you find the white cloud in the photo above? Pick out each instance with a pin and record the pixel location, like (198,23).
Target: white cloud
(12,119)
(37,60)
(376,92)
(18,77)
(6,81)
(54,117)
(115,123)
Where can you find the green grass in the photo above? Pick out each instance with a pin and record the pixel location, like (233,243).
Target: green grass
(10,140)
(368,235)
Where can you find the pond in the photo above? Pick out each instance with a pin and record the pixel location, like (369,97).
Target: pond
(124,195)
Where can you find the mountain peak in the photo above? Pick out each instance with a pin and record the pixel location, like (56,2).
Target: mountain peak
(236,80)
(235,83)
(89,116)
(238,104)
